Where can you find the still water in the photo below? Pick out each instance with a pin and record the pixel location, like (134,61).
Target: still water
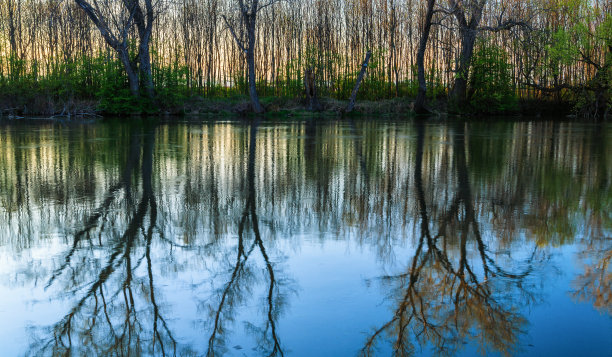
(306,238)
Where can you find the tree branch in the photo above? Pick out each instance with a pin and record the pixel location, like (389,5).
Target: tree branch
(506,25)
(231,28)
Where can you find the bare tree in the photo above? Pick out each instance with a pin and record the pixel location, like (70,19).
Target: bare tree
(232,291)
(248,20)
(468,15)
(115,25)
(421,100)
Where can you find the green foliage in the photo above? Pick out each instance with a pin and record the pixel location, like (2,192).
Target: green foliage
(487,148)
(491,89)
(581,38)
(170,86)
(114,93)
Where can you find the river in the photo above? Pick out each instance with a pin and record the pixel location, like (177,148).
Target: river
(306,238)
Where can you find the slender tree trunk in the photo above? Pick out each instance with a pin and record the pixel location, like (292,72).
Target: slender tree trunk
(364,66)
(250,17)
(421,100)
(13,68)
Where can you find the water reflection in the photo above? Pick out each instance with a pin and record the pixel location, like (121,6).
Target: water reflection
(447,295)
(117,312)
(241,277)
(186,239)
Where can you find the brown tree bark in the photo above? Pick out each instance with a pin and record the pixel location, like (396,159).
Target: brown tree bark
(420,105)
(144,23)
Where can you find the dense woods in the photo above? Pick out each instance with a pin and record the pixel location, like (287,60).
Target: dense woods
(142,56)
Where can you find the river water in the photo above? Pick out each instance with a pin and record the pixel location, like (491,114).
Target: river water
(306,238)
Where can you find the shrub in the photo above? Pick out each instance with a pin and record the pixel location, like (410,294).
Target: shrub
(491,89)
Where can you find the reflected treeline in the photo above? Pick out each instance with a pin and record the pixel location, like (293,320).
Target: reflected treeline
(447,297)
(108,266)
(139,220)
(243,276)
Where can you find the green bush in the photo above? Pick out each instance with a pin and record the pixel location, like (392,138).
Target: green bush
(490,84)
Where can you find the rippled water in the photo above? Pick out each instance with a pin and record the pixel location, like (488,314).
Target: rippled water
(308,238)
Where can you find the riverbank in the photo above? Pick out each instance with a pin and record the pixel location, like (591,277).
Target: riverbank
(276,107)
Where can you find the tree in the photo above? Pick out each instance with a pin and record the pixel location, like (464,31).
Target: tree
(444,294)
(102,14)
(97,323)
(421,100)
(248,20)
(232,290)
(468,16)
(583,39)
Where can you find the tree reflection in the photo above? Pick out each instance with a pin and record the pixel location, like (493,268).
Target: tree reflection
(467,204)
(233,291)
(594,283)
(441,301)
(107,319)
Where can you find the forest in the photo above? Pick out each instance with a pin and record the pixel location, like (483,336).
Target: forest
(124,57)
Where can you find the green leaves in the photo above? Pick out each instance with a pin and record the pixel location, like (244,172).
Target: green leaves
(491,88)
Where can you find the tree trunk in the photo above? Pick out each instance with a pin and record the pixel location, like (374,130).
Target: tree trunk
(144,57)
(144,24)
(458,95)
(311,90)
(601,87)
(250,57)
(257,107)
(420,106)
(118,43)
(468,29)
(131,72)
(364,66)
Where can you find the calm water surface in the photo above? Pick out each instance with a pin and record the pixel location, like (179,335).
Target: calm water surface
(306,239)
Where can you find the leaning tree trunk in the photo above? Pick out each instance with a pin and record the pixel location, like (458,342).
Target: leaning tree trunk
(364,66)
(117,42)
(420,105)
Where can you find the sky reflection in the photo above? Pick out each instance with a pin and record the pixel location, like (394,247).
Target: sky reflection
(306,238)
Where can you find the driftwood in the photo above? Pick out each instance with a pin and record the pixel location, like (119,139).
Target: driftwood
(311,90)
(351,103)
